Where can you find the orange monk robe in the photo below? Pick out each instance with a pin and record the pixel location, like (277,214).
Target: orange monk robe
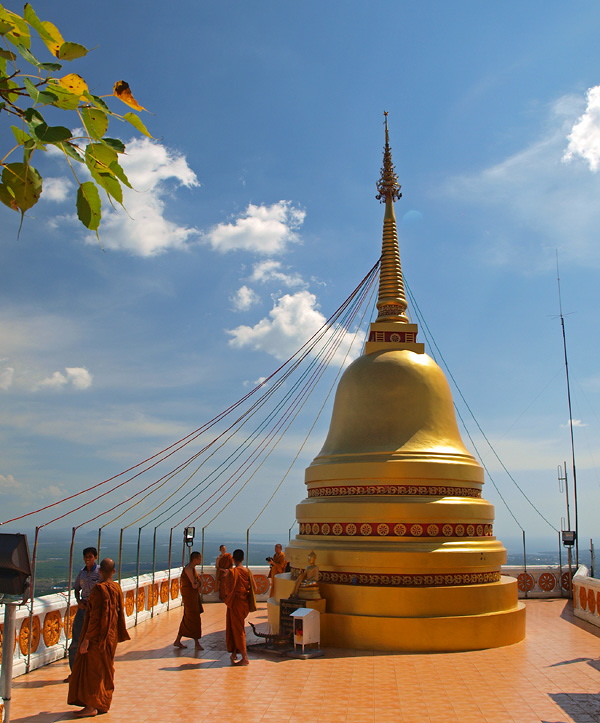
(278,566)
(92,679)
(224,562)
(238,582)
(191,625)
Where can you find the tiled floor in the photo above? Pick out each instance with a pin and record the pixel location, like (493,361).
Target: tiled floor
(551,677)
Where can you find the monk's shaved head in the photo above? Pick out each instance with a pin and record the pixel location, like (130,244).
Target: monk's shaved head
(107,565)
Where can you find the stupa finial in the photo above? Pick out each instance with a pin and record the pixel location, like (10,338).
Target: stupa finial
(388,186)
(391,302)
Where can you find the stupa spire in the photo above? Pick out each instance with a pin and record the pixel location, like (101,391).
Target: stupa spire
(392,328)
(391,302)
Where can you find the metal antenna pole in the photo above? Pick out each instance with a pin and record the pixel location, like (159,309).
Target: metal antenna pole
(564,336)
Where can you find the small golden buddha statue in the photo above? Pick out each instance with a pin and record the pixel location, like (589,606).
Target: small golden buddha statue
(307,582)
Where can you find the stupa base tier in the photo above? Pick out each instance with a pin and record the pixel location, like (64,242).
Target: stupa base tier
(417,602)
(417,556)
(424,634)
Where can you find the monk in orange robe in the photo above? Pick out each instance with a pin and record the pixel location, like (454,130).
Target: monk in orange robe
(278,564)
(240,600)
(92,680)
(191,624)
(224,562)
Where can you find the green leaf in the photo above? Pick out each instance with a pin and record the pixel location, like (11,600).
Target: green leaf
(120,173)
(115,144)
(97,101)
(2,105)
(136,123)
(6,86)
(95,122)
(4,26)
(39,96)
(65,99)
(18,34)
(111,185)
(36,23)
(30,58)
(71,51)
(24,183)
(20,135)
(51,134)
(70,149)
(33,117)
(89,206)
(7,54)
(99,154)
(7,197)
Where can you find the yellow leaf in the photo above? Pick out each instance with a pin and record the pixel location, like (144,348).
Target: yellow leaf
(57,39)
(123,92)
(74,84)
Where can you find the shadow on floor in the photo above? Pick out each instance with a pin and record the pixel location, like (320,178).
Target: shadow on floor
(582,707)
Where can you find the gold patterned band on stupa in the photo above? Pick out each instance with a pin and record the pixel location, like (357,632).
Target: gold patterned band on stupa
(405,580)
(387,489)
(396,529)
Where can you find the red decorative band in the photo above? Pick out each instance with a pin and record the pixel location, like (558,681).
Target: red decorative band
(384,489)
(381,580)
(396,529)
(394,337)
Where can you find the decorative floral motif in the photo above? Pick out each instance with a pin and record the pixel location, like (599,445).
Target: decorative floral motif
(129,602)
(598,602)
(174,589)
(591,600)
(208,583)
(382,580)
(164,591)
(547,581)
(24,635)
(565,581)
(582,598)
(525,582)
(399,529)
(390,489)
(262,584)
(68,621)
(152,596)
(52,628)
(141,598)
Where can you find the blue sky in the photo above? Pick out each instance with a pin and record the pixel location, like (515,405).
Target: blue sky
(254,217)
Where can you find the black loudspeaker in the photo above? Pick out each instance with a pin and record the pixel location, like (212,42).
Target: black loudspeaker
(15,566)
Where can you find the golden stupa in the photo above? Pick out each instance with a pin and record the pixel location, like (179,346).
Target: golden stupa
(403,538)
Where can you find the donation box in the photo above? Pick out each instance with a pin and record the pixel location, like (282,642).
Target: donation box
(307,627)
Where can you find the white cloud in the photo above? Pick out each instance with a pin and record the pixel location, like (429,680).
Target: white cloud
(244,298)
(26,492)
(78,377)
(291,322)
(56,189)
(574,423)
(143,229)
(584,139)
(271,270)
(6,377)
(261,229)
(533,203)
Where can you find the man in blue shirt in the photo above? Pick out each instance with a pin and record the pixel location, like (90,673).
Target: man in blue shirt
(86,579)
